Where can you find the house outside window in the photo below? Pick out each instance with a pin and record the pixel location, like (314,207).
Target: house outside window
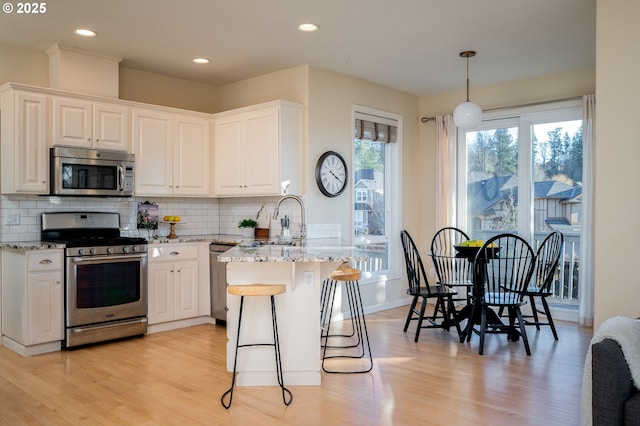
(376,187)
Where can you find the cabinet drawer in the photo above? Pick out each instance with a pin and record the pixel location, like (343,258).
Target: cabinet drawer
(164,253)
(45,261)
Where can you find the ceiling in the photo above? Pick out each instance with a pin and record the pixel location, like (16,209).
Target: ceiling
(409,45)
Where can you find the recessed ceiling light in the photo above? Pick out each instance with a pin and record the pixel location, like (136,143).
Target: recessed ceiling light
(308,27)
(85,32)
(201,60)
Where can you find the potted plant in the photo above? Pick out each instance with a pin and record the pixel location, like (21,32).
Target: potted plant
(247,227)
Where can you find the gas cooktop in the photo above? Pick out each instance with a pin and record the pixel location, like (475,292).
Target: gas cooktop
(86,229)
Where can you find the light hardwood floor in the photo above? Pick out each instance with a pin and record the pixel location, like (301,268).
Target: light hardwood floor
(177,377)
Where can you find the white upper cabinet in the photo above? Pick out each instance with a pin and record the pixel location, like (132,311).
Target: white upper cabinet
(86,124)
(191,156)
(228,155)
(257,150)
(111,127)
(252,151)
(152,146)
(172,153)
(24,142)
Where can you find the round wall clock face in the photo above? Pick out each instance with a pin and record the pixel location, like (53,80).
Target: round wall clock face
(331,174)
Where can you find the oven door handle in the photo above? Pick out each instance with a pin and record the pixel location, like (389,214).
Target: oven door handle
(110,325)
(102,259)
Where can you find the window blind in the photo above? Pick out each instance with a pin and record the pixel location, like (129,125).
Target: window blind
(376,129)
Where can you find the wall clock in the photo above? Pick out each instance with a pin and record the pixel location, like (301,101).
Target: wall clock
(331,174)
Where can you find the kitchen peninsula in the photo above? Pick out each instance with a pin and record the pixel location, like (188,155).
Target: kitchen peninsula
(302,268)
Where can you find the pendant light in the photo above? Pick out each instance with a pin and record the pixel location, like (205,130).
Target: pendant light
(468,114)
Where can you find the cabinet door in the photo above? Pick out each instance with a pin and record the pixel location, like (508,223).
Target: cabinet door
(72,121)
(44,301)
(191,156)
(261,152)
(111,127)
(228,160)
(152,146)
(25,152)
(161,293)
(186,289)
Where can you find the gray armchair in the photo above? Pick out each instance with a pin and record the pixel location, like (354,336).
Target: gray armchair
(614,398)
(611,380)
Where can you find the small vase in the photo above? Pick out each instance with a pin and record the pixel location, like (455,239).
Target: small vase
(247,232)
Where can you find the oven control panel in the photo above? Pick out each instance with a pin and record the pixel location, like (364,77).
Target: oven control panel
(106,250)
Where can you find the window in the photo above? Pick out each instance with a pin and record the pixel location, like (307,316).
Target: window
(376,188)
(492,178)
(521,172)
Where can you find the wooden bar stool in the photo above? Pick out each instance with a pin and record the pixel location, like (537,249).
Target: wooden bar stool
(258,290)
(358,338)
(327,300)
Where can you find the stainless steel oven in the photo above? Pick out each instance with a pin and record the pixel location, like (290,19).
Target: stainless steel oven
(105,276)
(106,296)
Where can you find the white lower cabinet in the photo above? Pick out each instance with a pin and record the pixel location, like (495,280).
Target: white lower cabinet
(178,287)
(32,300)
(173,291)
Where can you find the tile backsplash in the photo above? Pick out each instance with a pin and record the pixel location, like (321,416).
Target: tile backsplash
(20,214)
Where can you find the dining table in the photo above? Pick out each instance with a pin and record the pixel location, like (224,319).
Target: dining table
(469,312)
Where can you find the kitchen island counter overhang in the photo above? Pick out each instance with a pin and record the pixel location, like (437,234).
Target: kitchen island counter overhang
(302,269)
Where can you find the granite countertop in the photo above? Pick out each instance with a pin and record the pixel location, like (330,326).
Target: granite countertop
(246,250)
(31,245)
(210,238)
(314,250)
(44,245)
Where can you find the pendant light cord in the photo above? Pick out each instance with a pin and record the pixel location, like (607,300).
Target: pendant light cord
(467,79)
(468,54)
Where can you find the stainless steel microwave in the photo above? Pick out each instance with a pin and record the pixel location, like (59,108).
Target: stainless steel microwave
(91,172)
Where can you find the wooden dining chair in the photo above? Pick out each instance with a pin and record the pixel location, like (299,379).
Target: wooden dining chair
(502,269)
(452,270)
(547,260)
(444,312)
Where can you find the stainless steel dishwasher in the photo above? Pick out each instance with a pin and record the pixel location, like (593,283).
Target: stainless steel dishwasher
(218,273)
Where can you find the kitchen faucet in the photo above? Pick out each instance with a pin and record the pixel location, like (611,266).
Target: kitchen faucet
(303,227)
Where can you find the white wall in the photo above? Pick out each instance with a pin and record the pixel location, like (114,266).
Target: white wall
(289,85)
(155,89)
(27,66)
(617,153)
(331,97)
